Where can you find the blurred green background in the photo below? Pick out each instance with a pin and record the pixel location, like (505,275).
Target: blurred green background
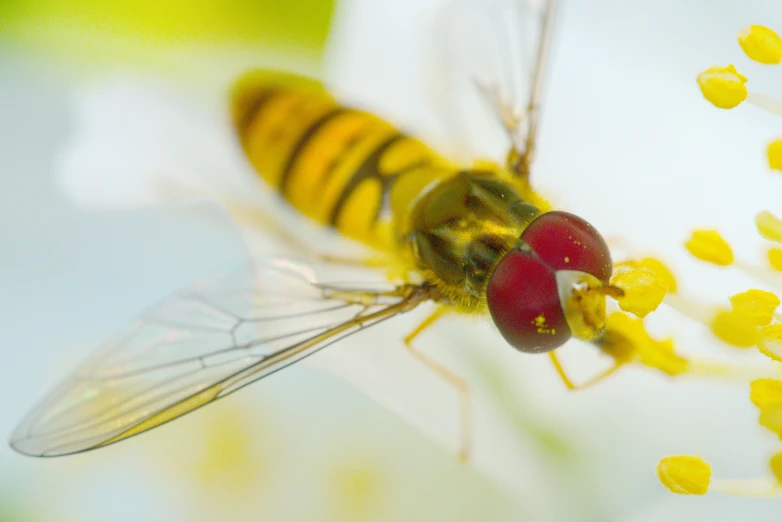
(141,29)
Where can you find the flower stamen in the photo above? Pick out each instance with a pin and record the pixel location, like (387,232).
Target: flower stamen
(761,44)
(752,320)
(759,488)
(643,289)
(769,226)
(723,86)
(691,475)
(709,246)
(765,101)
(744,325)
(774,155)
(685,474)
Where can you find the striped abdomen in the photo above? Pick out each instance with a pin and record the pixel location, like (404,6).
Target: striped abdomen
(334,164)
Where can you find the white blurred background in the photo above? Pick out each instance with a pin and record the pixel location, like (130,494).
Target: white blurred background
(627,142)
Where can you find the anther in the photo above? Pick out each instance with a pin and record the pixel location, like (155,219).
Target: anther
(735,328)
(685,475)
(643,290)
(769,226)
(761,44)
(774,257)
(723,86)
(774,155)
(770,342)
(765,392)
(709,246)
(757,305)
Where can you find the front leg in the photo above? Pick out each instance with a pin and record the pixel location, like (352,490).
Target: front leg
(458,383)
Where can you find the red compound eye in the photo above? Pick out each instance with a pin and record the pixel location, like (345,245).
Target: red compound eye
(567,242)
(524,303)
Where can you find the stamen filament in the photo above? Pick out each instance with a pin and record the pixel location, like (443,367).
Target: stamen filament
(761,487)
(761,273)
(766,102)
(744,373)
(690,308)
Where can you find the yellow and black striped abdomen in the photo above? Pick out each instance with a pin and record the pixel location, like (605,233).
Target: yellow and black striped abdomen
(334,164)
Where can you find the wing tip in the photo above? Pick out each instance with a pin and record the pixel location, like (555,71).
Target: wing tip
(30,446)
(19,446)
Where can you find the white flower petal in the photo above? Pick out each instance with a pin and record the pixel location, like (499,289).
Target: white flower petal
(410,82)
(138,142)
(358,56)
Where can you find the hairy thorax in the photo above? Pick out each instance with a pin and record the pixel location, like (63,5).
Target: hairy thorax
(460,229)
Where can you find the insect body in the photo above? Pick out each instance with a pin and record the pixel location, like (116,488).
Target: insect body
(474,240)
(353,171)
(336,165)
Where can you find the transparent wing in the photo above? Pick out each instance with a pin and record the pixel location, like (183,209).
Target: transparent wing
(199,345)
(492,54)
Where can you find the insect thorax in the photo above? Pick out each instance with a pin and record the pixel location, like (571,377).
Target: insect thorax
(461,228)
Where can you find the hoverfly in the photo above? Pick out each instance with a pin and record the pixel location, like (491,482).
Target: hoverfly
(475,240)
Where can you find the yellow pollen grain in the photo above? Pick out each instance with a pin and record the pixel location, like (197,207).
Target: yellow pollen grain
(770,342)
(735,328)
(774,155)
(709,246)
(769,226)
(775,259)
(761,44)
(644,289)
(723,86)
(765,392)
(775,463)
(684,474)
(757,305)
(540,324)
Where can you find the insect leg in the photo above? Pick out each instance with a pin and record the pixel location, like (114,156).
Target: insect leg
(561,371)
(586,384)
(455,381)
